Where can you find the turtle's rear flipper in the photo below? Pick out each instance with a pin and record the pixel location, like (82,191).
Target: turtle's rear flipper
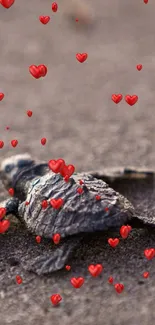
(54,261)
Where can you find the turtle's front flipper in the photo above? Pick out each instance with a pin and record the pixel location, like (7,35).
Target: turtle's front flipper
(11,206)
(54,261)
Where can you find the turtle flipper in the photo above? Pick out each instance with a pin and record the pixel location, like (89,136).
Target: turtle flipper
(11,206)
(54,261)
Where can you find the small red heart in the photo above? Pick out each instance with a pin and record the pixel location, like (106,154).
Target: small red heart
(43,141)
(76,19)
(19,279)
(2,213)
(131,100)
(116,98)
(14,143)
(113,242)
(77,282)
(80,190)
(44,19)
(56,238)
(35,71)
(68,267)
(56,165)
(56,203)
(81,57)
(124,232)
(98,197)
(11,191)
(7,3)
(146,275)
(146,1)
(1,96)
(27,203)
(4,225)
(95,270)
(67,170)
(119,287)
(149,253)
(139,67)
(81,182)
(111,280)
(54,7)
(1,144)
(55,299)
(42,70)
(38,239)
(29,113)
(44,204)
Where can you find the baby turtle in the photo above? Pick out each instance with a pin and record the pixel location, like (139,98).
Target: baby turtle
(80,213)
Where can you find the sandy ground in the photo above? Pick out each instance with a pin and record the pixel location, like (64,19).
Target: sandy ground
(72,108)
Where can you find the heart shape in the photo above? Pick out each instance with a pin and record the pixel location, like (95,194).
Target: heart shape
(55,299)
(67,170)
(95,270)
(56,165)
(81,57)
(77,282)
(113,242)
(149,253)
(7,3)
(116,98)
(56,238)
(35,71)
(131,100)
(119,287)
(56,203)
(124,232)
(44,19)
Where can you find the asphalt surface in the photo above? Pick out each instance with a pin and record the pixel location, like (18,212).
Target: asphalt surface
(72,108)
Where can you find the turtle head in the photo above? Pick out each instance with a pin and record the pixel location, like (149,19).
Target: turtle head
(12,165)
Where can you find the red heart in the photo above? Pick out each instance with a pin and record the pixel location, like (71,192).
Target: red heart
(146,275)
(124,232)
(81,57)
(43,141)
(77,282)
(4,225)
(116,98)
(14,143)
(56,165)
(55,299)
(67,170)
(139,67)
(149,253)
(95,270)
(44,19)
(111,280)
(11,191)
(54,7)
(145,1)
(80,190)
(29,113)
(119,287)
(2,213)
(35,71)
(7,3)
(1,96)
(131,100)
(42,69)
(38,239)
(1,144)
(19,279)
(56,203)
(98,197)
(113,242)
(56,238)
(68,267)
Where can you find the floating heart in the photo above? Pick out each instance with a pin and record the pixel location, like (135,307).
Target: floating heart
(116,98)
(44,19)
(4,225)
(67,170)
(119,287)
(95,270)
(14,143)
(111,280)
(77,282)
(146,1)
(29,113)
(81,57)
(81,182)
(54,7)
(149,253)
(131,100)
(1,144)
(98,197)
(80,190)
(1,96)
(19,279)
(56,165)
(43,141)
(35,71)
(38,239)
(42,69)
(55,299)
(139,67)
(146,275)
(113,242)
(44,204)
(56,203)
(7,3)
(124,232)
(11,191)
(2,213)
(56,238)
(68,267)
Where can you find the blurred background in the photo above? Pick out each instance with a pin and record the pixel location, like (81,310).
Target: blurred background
(72,105)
